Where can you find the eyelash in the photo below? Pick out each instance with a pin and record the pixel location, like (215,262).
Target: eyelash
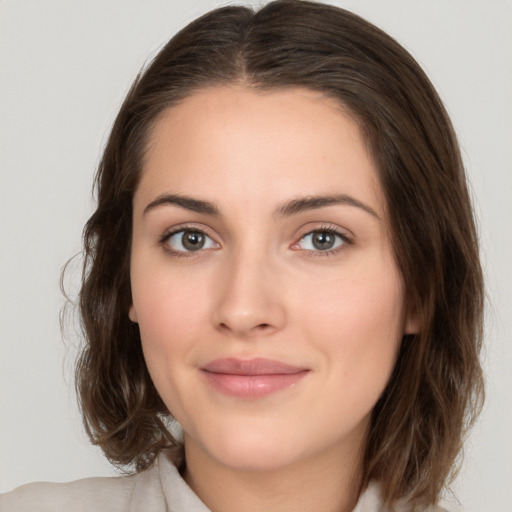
(347,241)
(181,229)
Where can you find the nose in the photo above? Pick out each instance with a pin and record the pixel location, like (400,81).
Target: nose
(250,299)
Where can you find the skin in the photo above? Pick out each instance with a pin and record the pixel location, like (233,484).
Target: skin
(261,288)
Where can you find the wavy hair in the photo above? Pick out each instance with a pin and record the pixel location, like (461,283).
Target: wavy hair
(436,390)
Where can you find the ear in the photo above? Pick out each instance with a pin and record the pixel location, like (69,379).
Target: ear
(412,323)
(132,314)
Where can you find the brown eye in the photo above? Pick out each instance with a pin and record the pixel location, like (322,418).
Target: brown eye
(192,240)
(188,240)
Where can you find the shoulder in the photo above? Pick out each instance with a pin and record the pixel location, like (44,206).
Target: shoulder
(81,495)
(114,494)
(371,501)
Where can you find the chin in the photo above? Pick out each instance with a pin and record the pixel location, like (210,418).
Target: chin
(252,450)
(258,458)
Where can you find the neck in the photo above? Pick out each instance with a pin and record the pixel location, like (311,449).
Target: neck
(328,483)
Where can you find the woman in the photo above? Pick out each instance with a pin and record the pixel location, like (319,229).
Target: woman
(284,260)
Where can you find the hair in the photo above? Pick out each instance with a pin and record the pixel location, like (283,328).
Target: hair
(436,390)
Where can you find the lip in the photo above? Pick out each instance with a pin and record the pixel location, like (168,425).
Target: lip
(251,378)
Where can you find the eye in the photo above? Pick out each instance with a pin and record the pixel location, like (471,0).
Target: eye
(323,240)
(189,240)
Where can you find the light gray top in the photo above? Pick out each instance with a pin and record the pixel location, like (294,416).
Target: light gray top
(158,489)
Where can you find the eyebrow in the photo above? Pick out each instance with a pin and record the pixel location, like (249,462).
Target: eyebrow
(287,209)
(186,202)
(313,202)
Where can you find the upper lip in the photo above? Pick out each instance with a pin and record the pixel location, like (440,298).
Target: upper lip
(255,366)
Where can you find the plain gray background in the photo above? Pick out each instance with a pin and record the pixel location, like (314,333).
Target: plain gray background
(65,67)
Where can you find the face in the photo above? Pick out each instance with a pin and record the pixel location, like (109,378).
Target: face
(269,303)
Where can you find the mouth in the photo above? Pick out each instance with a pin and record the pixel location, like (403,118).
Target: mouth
(251,378)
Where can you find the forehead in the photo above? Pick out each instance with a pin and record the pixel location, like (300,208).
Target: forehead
(249,145)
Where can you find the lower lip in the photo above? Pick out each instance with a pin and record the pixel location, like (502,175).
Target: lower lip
(252,386)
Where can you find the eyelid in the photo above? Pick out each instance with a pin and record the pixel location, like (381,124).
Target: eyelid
(347,240)
(174,230)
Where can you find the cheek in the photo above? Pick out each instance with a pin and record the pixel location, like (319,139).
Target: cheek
(358,301)
(357,325)
(169,312)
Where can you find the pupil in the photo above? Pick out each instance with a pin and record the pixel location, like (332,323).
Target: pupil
(323,240)
(193,240)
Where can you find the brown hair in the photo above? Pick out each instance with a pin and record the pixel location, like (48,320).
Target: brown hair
(436,389)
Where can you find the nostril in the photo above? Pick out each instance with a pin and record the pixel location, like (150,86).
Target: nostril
(258,327)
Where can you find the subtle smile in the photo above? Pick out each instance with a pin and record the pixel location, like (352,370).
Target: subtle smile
(251,378)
